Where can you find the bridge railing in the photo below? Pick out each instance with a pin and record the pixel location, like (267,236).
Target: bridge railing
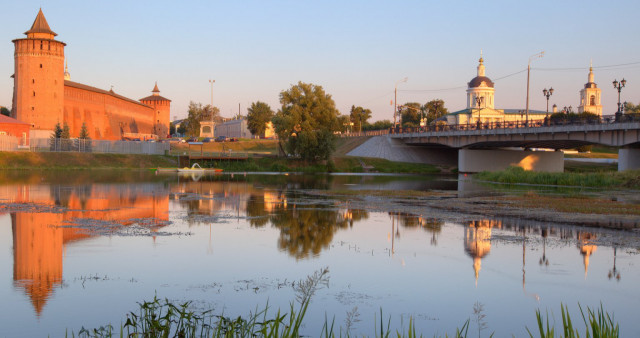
(366,133)
(605,119)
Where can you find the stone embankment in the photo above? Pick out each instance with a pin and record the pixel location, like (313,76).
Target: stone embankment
(395,150)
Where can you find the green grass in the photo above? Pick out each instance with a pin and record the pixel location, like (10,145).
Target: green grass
(513,175)
(63,160)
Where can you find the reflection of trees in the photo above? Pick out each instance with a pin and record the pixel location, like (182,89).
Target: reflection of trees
(256,211)
(61,194)
(306,231)
(431,225)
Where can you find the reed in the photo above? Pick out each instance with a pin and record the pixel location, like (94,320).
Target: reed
(515,175)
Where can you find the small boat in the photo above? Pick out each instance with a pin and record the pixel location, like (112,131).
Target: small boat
(196,168)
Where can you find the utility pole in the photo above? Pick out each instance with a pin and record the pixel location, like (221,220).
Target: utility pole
(212,82)
(535,56)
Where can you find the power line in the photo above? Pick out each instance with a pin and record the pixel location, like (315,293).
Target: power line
(459,87)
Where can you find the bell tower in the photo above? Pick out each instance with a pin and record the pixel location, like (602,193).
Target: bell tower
(38,79)
(590,96)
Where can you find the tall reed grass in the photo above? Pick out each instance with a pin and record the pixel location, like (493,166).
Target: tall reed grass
(162,319)
(514,175)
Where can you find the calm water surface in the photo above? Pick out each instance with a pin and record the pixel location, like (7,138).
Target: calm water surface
(81,249)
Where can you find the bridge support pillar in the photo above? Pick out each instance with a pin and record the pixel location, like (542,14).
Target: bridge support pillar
(628,159)
(477,160)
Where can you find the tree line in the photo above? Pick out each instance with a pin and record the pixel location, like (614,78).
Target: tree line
(308,120)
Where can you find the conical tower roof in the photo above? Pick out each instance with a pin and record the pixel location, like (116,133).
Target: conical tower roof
(40,25)
(155,88)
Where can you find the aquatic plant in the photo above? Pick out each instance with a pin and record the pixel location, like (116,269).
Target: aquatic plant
(598,324)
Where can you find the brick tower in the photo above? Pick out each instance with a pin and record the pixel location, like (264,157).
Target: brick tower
(38,84)
(162,108)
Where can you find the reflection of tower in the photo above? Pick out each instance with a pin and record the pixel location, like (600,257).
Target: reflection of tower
(544,260)
(39,242)
(586,248)
(614,273)
(37,254)
(477,242)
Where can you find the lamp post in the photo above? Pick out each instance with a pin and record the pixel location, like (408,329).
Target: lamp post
(479,100)
(619,85)
(547,94)
(535,56)
(395,100)
(212,82)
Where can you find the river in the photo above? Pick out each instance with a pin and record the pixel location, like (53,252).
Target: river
(80,249)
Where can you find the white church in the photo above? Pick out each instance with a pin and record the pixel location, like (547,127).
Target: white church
(481,104)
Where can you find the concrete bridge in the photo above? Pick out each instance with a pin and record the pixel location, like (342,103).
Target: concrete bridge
(491,148)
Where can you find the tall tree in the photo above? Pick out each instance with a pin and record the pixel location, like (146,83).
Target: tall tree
(359,117)
(172,128)
(84,133)
(630,108)
(378,125)
(434,109)
(307,121)
(198,113)
(411,113)
(258,115)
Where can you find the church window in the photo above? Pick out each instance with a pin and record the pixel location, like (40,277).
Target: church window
(34,93)
(41,65)
(592,100)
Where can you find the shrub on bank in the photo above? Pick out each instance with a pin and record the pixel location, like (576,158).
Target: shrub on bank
(595,179)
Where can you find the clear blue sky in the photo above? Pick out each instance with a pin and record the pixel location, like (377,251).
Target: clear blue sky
(356,50)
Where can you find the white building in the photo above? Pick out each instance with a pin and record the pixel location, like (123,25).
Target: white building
(233,128)
(481,105)
(590,96)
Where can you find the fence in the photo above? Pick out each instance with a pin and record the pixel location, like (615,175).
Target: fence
(99,146)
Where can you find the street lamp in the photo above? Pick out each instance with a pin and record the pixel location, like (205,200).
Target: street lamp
(212,82)
(547,94)
(395,100)
(619,85)
(535,56)
(479,100)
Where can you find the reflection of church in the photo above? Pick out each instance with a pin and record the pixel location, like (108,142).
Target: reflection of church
(477,241)
(39,242)
(587,248)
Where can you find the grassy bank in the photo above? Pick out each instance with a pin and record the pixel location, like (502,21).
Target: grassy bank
(33,160)
(338,164)
(514,175)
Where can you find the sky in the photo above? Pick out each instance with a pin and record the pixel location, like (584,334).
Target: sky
(356,50)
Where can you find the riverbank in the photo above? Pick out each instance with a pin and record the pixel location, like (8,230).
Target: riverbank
(72,160)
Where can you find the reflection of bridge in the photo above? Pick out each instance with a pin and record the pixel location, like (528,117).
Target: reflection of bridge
(479,149)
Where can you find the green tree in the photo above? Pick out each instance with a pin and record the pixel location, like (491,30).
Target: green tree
(434,109)
(631,109)
(172,128)
(84,132)
(182,129)
(4,111)
(307,121)
(359,117)
(378,125)
(198,113)
(410,113)
(258,115)
(84,141)
(345,123)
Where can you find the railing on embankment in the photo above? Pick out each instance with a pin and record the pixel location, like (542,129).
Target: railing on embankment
(99,146)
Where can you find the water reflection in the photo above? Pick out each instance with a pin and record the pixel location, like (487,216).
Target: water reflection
(40,238)
(299,226)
